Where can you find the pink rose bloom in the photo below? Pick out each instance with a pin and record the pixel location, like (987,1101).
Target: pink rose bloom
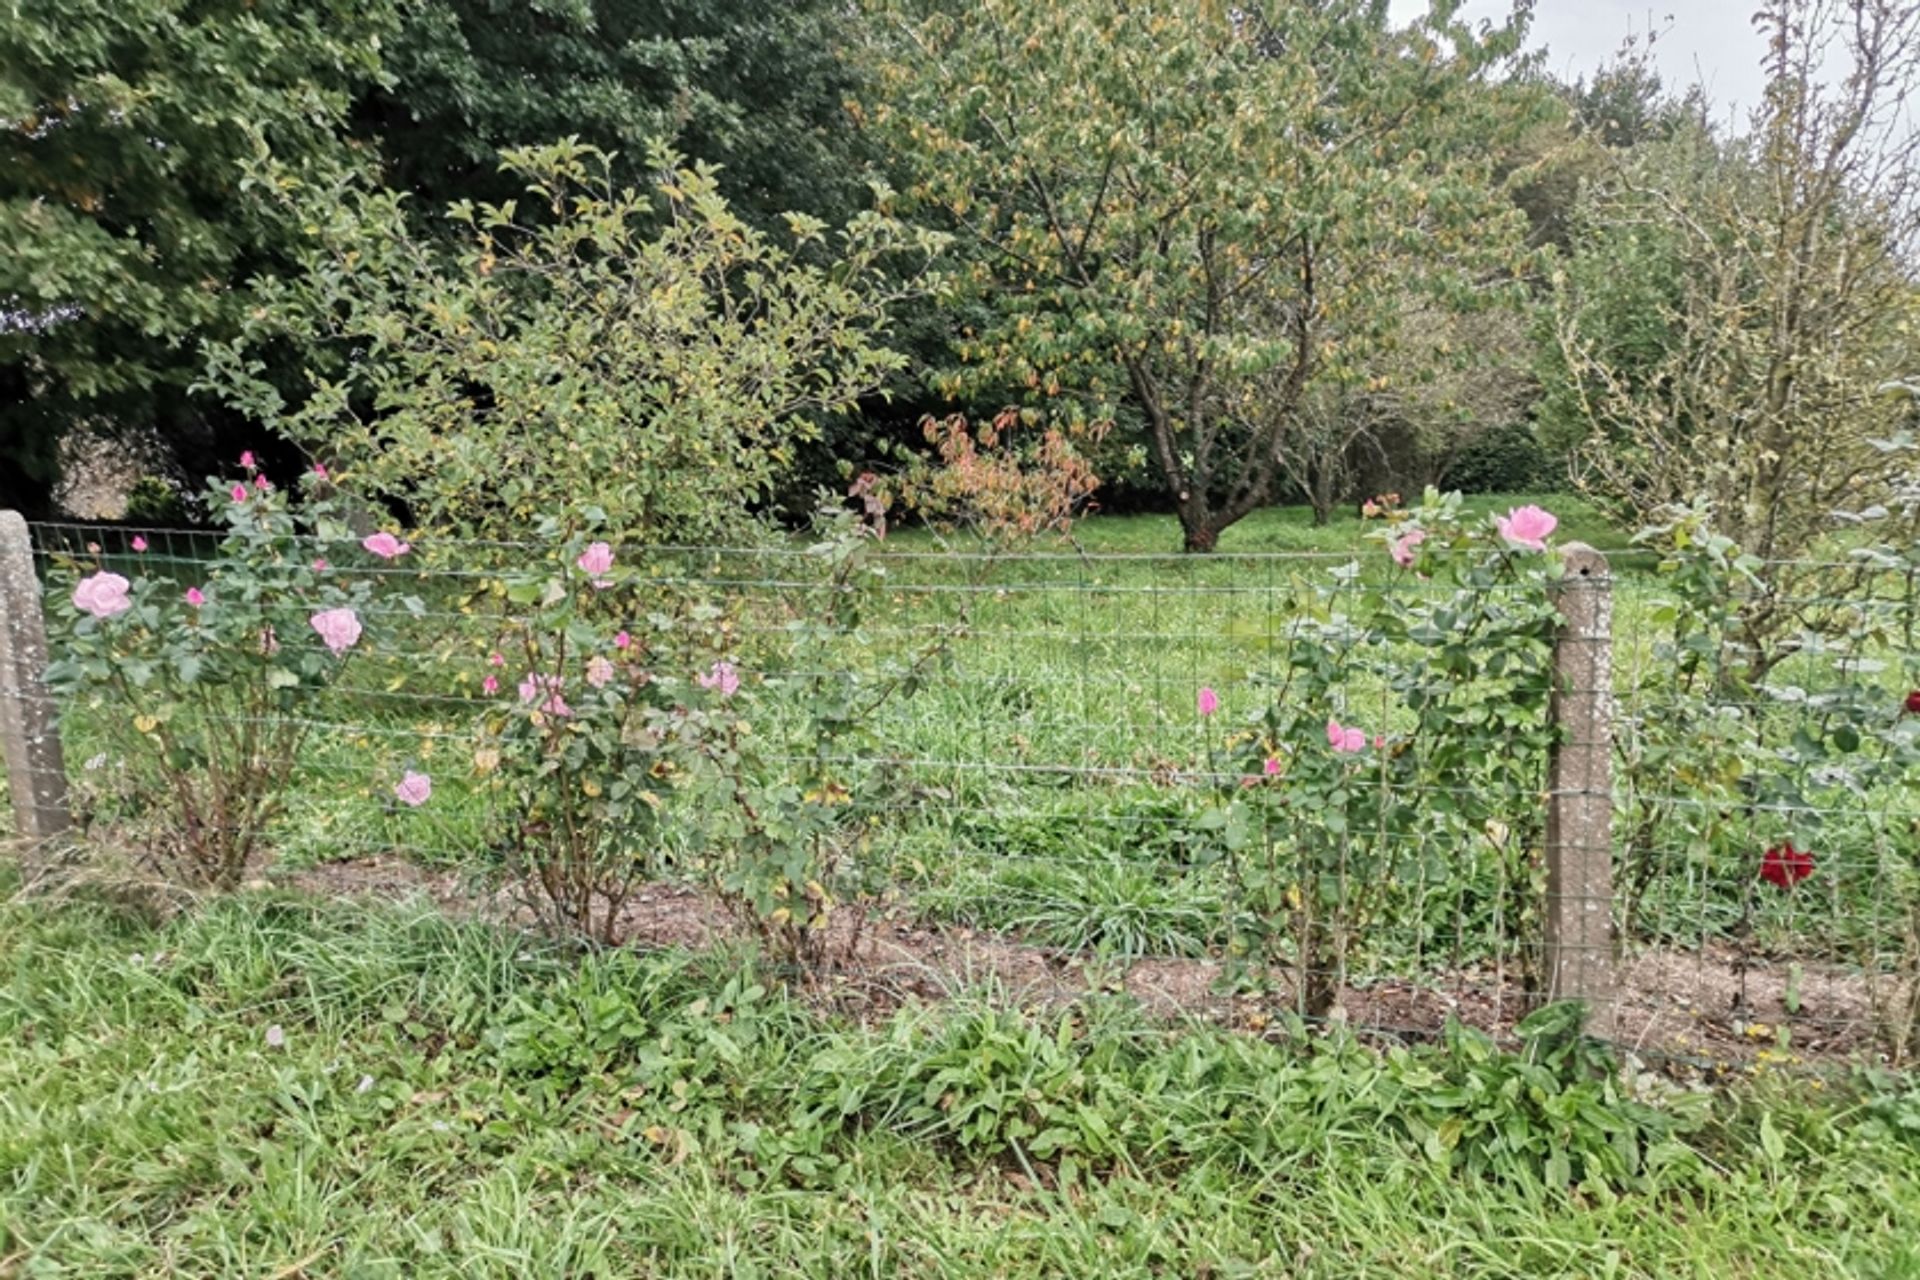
(1272,767)
(595,561)
(1209,702)
(1403,547)
(196,597)
(496,660)
(320,566)
(139,543)
(599,671)
(246,459)
(545,690)
(385,545)
(413,789)
(490,685)
(239,493)
(340,628)
(1345,739)
(722,677)
(622,640)
(319,471)
(1526,527)
(102,595)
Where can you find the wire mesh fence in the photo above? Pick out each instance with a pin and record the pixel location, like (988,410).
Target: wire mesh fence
(1079,772)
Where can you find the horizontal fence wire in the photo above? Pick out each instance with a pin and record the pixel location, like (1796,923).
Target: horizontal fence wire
(1054,771)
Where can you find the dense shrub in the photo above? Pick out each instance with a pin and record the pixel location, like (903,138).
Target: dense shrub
(205,689)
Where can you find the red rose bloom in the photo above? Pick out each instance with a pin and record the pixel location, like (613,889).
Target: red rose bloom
(1785,865)
(1913,703)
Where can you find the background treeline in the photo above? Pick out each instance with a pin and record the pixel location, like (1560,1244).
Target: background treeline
(1295,253)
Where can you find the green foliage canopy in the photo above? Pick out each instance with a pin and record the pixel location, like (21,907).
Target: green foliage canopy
(132,133)
(1203,208)
(754,86)
(569,354)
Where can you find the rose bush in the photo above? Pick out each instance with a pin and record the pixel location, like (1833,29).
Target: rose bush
(1402,742)
(632,720)
(206,692)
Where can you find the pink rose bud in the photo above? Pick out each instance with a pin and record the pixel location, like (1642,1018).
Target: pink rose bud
(246,459)
(196,597)
(239,493)
(722,677)
(622,640)
(139,543)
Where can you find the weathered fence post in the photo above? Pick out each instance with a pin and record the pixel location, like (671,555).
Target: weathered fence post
(1579,924)
(29,726)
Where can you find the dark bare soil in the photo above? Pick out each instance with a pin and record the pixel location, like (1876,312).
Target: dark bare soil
(1694,1008)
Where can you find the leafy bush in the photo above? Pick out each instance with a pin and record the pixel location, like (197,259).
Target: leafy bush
(154,503)
(574,350)
(590,728)
(1448,658)
(1752,776)
(205,692)
(623,709)
(1507,459)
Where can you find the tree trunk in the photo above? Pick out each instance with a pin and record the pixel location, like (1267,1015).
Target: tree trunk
(1200,537)
(1320,495)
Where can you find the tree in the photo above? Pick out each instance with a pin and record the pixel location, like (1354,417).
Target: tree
(1733,309)
(1196,206)
(1452,393)
(644,353)
(754,86)
(131,136)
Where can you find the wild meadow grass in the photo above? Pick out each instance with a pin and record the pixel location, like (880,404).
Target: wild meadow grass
(267,1086)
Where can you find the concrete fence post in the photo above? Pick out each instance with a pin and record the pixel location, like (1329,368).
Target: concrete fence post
(29,723)
(1579,919)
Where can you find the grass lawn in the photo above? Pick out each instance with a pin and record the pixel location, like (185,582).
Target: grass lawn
(1284,530)
(270,1087)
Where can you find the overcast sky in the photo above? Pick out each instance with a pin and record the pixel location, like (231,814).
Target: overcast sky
(1712,42)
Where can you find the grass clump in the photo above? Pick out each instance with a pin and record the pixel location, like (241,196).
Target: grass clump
(269,1085)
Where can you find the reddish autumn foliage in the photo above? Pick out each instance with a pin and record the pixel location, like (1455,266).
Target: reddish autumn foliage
(1785,865)
(997,480)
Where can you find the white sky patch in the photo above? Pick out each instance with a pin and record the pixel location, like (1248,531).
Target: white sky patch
(1708,42)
